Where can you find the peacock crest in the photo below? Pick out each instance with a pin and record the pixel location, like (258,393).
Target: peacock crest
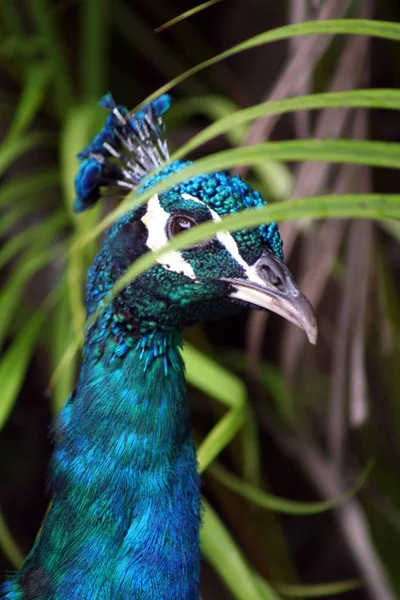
(129,147)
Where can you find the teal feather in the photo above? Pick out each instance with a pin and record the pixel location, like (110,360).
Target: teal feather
(125,513)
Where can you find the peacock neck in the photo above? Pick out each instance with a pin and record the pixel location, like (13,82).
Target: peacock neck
(125,519)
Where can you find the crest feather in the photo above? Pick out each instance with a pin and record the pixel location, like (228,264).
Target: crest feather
(129,147)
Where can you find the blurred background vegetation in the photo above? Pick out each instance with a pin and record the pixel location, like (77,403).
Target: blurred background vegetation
(302,422)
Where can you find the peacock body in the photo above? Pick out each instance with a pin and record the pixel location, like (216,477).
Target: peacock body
(125,514)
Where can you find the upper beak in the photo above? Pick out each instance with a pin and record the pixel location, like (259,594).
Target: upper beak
(269,284)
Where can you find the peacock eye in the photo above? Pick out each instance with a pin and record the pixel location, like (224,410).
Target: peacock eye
(179,223)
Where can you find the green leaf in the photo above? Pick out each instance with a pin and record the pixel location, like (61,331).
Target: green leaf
(282,505)
(341,206)
(79,126)
(213,379)
(27,186)
(214,107)
(391,227)
(382,98)
(21,210)
(379,154)
(216,381)
(380,29)
(32,261)
(276,176)
(14,363)
(19,44)
(316,590)
(43,18)
(272,380)
(137,32)
(7,543)
(12,20)
(186,15)
(223,554)
(340,151)
(44,231)
(219,437)
(13,148)
(33,92)
(93,51)
(78,129)
(277,179)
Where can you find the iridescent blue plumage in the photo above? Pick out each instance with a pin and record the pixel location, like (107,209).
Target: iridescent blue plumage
(125,514)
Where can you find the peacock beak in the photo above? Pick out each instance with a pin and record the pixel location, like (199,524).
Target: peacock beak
(270,285)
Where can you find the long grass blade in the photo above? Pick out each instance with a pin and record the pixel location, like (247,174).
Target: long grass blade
(137,32)
(43,18)
(338,151)
(78,128)
(382,98)
(282,505)
(216,381)
(14,364)
(213,379)
(45,231)
(186,15)
(33,92)
(93,42)
(31,262)
(17,213)
(276,176)
(380,29)
(320,590)
(13,149)
(219,437)
(370,206)
(8,545)
(27,186)
(221,551)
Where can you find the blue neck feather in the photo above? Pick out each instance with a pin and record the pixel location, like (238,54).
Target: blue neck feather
(125,518)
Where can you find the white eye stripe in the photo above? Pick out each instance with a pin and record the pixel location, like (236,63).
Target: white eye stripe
(228,241)
(155,220)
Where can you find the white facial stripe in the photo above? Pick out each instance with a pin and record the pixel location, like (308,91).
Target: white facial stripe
(228,241)
(155,220)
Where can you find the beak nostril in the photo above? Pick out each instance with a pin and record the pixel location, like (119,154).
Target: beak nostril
(272,277)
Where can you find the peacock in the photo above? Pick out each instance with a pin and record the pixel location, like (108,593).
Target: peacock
(125,513)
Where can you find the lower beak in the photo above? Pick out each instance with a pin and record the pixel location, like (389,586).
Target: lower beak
(269,284)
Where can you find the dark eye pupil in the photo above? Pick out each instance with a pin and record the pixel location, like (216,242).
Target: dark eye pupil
(181,224)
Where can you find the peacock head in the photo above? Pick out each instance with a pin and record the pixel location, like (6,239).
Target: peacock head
(209,279)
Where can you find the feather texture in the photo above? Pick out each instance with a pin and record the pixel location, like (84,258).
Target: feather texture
(124,520)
